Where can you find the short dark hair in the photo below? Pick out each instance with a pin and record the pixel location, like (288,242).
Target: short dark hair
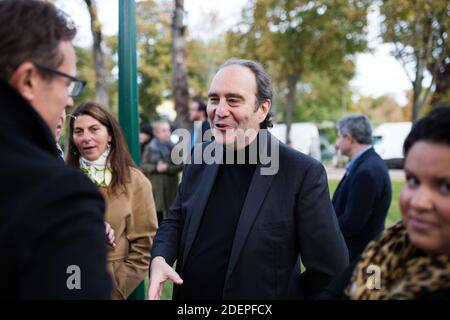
(358,126)
(119,157)
(146,128)
(264,89)
(434,127)
(31,30)
(201,105)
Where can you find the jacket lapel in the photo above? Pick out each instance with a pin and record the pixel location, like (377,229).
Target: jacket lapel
(199,201)
(256,194)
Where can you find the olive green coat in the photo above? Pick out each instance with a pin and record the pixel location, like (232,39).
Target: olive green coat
(165,184)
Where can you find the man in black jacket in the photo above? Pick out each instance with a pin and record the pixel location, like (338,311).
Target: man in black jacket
(52,236)
(363,196)
(198,115)
(238,229)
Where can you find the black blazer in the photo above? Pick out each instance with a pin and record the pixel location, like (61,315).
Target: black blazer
(202,137)
(362,200)
(51,215)
(205,127)
(284,215)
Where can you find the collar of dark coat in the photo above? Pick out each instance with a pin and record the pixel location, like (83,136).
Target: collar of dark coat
(18,116)
(361,159)
(358,162)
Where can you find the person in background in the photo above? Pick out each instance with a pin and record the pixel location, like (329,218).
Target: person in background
(97,147)
(199,117)
(58,132)
(158,166)
(411,260)
(363,196)
(51,216)
(145,136)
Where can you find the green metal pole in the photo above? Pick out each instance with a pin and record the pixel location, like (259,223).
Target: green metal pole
(128,93)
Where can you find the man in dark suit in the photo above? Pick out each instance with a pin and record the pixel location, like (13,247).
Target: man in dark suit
(52,235)
(198,115)
(237,228)
(363,196)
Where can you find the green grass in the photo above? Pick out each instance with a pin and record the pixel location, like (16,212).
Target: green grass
(167,291)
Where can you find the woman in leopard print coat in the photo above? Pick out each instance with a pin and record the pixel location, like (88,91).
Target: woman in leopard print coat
(411,260)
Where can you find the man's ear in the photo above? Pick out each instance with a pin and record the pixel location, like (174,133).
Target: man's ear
(24,79)
(349,137)
(263,110)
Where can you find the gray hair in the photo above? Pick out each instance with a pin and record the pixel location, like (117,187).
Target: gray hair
(158,124)
(358,126)
(264,89)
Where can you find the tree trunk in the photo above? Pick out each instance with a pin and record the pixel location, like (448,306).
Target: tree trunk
(292,93)
(101,85)
(421,56)
(179,77)
(442,84)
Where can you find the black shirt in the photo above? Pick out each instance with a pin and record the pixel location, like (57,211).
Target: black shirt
(206,267)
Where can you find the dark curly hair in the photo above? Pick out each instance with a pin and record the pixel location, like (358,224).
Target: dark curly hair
(435,127)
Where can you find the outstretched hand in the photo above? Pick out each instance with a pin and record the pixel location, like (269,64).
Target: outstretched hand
(160,271)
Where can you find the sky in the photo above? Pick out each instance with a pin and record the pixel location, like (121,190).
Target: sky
(377,73)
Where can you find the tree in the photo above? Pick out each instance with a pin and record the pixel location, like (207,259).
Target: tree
(382,109)
(85,72)
(101,84)
(419,32)
(324,95)
(442,91)
(180,85)
(154,43)
(154,61)
(294,38)
(203,60)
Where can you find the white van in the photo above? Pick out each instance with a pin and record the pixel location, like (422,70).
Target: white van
(388,139)
(304,137)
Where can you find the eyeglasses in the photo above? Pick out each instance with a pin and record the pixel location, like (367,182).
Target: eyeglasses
(76,86)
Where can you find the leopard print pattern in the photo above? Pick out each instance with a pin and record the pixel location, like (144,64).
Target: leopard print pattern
(404,271)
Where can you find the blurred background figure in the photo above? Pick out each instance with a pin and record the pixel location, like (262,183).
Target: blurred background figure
(198,115)
(58,132)
(363,196)
(145,136)
(157,165)
(97,147)
(411,260)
